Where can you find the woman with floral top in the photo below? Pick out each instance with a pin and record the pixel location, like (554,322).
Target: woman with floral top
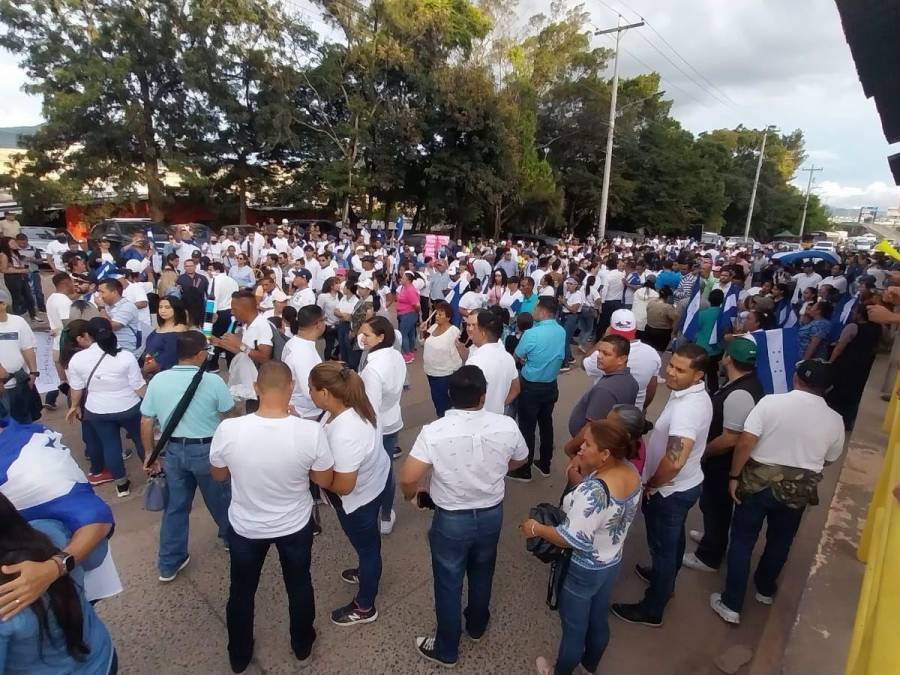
(599,513)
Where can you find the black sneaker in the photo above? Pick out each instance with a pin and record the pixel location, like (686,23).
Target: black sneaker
(350,576)
(317,523)
(644,573)
(425,647)
(398,452)
(239,663)
(635,614)
(124,489)
(522,474)
(350,615)
(543,469)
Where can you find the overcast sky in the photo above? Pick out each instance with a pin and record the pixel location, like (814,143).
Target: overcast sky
(780,62)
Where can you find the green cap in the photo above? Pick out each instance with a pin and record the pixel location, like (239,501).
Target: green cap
(742,350)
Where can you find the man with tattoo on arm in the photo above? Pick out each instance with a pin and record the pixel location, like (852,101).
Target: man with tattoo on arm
(672,480)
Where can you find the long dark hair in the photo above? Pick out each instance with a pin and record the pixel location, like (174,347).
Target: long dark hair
(101,332)
(383,329)
(20,542)
(68,344)
(179,313)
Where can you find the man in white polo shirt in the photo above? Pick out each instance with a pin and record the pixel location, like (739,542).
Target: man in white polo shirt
(484,327)
(777,463)
(643,360)
(270,457)
(468,451)
(301,357)
(673,477)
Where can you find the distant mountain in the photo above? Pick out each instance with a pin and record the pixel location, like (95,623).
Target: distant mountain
(9,136)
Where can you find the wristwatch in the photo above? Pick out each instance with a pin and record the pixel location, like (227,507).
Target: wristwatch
(65,561)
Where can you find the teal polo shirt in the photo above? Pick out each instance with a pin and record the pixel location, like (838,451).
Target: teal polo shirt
(526,304)
(202,416)
(543,346)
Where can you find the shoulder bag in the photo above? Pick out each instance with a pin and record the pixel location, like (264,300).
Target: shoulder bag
(177,414)
(87,384)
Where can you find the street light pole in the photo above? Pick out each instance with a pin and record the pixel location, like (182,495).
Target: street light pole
(607,164)
(762,154)
(811,170)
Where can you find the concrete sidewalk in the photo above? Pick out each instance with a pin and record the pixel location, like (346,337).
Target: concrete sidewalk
(179,627)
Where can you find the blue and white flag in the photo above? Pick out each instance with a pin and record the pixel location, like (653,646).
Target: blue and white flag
(690,321)
(457,290)
(398,225)
(777,353)
(785,314)
(726,318)
(843,310)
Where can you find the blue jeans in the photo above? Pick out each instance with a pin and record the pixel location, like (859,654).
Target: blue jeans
(463,544)
(665,518)
(108,428)
(343,336)
(406,323)
(361,528)
(584,614)
(93,448)
(389,441)
(187,468)
(586,321)
(782,523)
(247,558)
(569,321)
(37,292)
(440,393)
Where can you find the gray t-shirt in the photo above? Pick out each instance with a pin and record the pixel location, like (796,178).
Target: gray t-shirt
(735,409)
(595,404)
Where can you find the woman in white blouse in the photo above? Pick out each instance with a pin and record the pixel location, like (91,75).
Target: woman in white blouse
(442,355)
(599,512)
(328,301)
(346,304)
(361,470)
(642,298)
(109,383)
(383,375)
(510,294)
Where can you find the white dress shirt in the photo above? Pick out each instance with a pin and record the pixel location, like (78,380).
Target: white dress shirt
(499,368)
(384,375)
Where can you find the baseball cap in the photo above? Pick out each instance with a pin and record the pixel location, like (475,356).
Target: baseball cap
(5,297)
(742,350)
(622,322)
(365,283)
(305,273)
(815,373)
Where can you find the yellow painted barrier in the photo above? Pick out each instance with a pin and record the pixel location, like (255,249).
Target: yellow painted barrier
(874,646)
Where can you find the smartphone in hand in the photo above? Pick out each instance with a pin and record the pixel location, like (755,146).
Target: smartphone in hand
(424,500)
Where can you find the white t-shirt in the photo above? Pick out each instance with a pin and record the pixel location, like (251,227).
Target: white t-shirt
(55,249)
(357,446)
(805,281)
(614,289)
(688,414)
(346,305)
(301,357)
(258,333)
(441,358)
(576,297)
(58,307)
(643,362)
(471,300)
(482,268)
(839,283)
(221,288)
(303,297)
(507,299)
(469,452)
(113,386)
(499,368)
(270,460)
(547,291)
(795,429)
(15,335)
(384,375)
(136,293)
(328,303)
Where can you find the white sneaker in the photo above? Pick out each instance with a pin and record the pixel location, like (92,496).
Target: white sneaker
(765,599)
(696,536)
(691,561)
(543,666)
(387,526)
(727,615)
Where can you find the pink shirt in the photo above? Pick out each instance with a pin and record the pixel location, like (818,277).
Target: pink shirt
(407,299)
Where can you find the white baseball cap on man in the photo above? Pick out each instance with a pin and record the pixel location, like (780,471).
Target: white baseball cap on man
(622,322)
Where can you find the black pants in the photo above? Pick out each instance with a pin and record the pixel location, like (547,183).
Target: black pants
(247,558)
(536,402)
(331,338)
(712,373)
(23,302)
(219,328)
(717,507)
(606,312)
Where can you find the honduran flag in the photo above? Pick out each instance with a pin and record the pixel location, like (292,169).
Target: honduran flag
(727,315)
(777,353)
(785,314)
(690,320)
(40,478)
(843,310)
(454,296)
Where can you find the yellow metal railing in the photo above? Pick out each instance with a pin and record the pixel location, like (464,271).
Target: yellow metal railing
(875,645)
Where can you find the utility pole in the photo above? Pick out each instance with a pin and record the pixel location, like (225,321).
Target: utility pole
(607,165)
(811,170)
(762,154)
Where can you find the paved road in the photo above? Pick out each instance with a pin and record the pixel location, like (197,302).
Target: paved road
(179,627)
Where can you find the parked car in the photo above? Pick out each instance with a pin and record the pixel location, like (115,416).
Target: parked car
(40,237)
(119,231)
(824,246)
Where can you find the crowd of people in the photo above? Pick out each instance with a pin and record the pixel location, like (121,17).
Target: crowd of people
(267,368)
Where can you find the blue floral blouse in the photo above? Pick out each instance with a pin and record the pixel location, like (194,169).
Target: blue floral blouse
(819,328)
(596,524)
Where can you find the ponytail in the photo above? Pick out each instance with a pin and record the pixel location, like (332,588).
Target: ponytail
(344,384)
(101,332)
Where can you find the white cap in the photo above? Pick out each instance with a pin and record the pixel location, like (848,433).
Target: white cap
(365,283)
(284,221)
(622,322)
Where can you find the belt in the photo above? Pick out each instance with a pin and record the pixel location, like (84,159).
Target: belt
(190,441)
(454,511)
